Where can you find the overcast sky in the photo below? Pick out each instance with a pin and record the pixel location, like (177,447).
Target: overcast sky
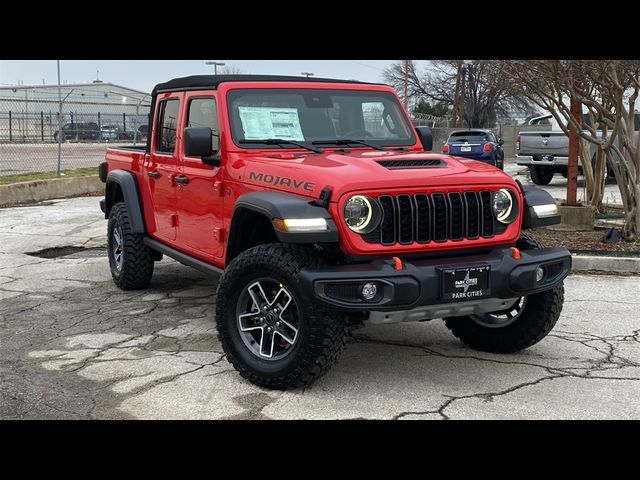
(144,74)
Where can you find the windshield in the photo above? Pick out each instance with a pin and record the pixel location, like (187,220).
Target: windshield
(308,115)
(470,137)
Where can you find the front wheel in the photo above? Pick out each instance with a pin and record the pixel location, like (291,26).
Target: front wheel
(520,326)
(269,333)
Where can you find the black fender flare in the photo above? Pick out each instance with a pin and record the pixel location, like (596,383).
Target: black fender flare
(535,197)
(130,192)
(285,205)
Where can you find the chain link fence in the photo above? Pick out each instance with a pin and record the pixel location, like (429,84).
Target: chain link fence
(93,116)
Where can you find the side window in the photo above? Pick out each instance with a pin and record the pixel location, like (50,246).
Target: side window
(167,125)
(202,113)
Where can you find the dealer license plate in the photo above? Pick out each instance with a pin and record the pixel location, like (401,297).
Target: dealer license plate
(465,149)
(465,283)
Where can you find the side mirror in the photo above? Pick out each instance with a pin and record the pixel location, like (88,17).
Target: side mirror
(500,142)
(426,138)
(197,143)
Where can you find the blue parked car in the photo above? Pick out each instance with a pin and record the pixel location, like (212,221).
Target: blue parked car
(476,144)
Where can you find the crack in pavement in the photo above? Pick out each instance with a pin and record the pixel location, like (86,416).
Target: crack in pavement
(610,359)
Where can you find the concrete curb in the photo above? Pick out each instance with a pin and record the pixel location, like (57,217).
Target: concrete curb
(626,265)
(39,190)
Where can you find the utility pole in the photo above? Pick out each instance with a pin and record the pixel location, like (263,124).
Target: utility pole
(307,74)
(59,120)
(135,123)
(406,83)
(215,66)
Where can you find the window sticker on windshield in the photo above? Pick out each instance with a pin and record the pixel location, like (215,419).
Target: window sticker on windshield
(270,122)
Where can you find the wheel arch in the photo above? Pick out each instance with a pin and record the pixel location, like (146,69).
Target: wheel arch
(252,221)
(122,186)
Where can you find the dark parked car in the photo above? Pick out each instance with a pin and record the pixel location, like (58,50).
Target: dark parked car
(78,131)
(477,144)
(143,131)
(115,132)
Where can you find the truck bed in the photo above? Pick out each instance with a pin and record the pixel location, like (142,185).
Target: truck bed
(554,143)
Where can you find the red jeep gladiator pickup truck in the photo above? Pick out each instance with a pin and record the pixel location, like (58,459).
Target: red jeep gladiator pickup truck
(316,201)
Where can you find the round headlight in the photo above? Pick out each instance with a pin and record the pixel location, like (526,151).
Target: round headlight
(361,214)
(503,206)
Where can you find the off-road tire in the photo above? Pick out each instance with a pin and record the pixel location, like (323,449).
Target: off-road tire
(137,258)
(322,334)
(541,175)
(540,315)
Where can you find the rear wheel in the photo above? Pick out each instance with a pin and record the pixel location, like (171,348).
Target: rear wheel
(497,161)
(527,321)
(541,175)
(130,260)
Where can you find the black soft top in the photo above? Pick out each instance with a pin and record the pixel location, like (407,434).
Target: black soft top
(207,82)
(197,82)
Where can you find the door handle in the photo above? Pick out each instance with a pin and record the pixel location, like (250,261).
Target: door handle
(181,179)
(154,174)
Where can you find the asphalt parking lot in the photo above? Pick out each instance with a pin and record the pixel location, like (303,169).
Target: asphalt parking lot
(73,346)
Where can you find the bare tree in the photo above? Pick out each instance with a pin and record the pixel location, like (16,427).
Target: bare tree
(487,95)
(229,70)
(608,89)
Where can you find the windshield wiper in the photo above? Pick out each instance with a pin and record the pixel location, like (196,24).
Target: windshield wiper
(280,142)
(346,141)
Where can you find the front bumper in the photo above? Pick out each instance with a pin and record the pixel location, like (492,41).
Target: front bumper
(419,283)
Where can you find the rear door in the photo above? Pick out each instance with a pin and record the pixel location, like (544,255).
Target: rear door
(200,196)
(161,167)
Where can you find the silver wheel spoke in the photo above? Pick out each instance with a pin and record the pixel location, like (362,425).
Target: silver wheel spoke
(285,335)
(249,321)
(502,318)
(266,343)
(117,247)
(258,296)
(281,300)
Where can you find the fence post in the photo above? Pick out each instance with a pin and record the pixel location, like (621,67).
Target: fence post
(124,122)
(10,127)
(42,126)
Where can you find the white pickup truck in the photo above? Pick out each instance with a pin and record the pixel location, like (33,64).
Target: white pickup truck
(546,152)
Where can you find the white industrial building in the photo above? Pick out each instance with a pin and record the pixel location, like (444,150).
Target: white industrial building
(29,113)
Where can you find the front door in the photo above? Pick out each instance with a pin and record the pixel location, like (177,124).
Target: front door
(162,168)
(199,200)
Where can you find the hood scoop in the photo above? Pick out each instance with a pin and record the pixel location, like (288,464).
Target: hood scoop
(412,163)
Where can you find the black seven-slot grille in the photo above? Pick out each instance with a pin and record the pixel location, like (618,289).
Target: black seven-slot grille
(434,217)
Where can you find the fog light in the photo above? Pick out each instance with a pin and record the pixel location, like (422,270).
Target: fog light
(539,274)
(369,291)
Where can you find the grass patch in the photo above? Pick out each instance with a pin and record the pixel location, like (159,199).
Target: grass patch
(27,177)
